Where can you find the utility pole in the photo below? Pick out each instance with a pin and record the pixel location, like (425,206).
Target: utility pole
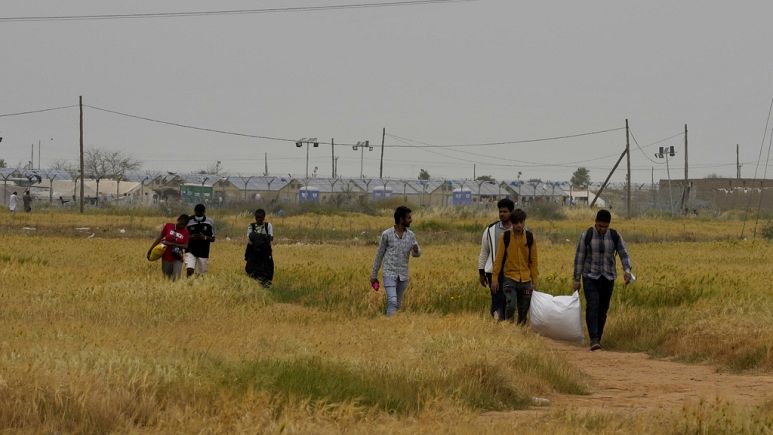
(333,156)
(80,103)
(265,160)
(654,202)
(737,162)
(381,165)
(628,161)
(38,155)
(686,191)
(32,156)
(474,175)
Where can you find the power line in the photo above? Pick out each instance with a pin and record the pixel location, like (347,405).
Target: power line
(186,14)
(37,111)
(193,127)
(508,142)
(640,149)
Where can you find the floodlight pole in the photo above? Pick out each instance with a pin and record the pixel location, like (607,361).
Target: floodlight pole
(80,103)
(665,152)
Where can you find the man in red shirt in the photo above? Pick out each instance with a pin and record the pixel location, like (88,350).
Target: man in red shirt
(175,237)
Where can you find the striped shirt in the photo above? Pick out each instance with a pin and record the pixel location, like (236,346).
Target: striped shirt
(601,261)
(394,251)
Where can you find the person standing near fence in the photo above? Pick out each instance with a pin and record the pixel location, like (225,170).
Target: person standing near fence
(516,265)
(396,246)
(594,264)
(27,200)
(202,233)
(488,250)
(13,202)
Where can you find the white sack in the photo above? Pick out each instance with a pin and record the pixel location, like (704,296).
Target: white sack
(557,317)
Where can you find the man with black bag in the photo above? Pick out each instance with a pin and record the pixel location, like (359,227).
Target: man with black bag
(594,264)
(258,254)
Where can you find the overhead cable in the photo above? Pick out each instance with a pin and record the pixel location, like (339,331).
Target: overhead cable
(507,142)
(187,14)
(3,115)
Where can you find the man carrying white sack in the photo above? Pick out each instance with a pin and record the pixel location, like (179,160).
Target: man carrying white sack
(594,263)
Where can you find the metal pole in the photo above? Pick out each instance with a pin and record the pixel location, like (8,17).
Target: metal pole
(307,160)
(670,194)
(80,103)
(333,156)
(362,160)
(381,165)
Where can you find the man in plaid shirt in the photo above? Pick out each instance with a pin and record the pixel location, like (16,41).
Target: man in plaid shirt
(594,263)
(396,246)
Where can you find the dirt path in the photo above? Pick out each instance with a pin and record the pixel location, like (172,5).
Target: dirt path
(634,381)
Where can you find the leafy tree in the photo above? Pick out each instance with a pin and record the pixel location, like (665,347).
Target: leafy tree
(581,178)
(3,164)
(486,178)
(423,174)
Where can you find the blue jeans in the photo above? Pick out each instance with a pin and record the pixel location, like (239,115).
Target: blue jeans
(394,288)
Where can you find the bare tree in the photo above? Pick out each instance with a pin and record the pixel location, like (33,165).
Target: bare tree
(72,170)
(119,164)
(96,166)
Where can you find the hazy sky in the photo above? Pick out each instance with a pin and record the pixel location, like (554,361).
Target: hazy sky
(458,73)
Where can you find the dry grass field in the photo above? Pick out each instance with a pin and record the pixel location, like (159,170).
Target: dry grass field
(94,340)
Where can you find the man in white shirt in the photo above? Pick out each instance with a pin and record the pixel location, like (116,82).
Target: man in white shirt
(488,251)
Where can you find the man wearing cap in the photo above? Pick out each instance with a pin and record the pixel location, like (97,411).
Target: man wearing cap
(202,233)
(594,264)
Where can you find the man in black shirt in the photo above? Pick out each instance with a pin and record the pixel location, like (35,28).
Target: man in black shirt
(202,233)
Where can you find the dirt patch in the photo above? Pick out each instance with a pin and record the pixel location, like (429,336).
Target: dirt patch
(635,381)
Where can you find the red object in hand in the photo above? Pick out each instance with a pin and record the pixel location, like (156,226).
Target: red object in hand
(375,285)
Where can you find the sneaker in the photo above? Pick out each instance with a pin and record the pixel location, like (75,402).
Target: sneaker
(595,345)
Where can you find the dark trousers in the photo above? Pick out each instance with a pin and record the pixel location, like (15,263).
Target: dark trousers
(518,297)
(498,300)
(598,293)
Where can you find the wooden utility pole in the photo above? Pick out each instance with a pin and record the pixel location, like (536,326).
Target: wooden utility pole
(265,161)
(737,162)
(381,167)
(474,174)
(333,157)
(80,103)
(603,185)
(628,161)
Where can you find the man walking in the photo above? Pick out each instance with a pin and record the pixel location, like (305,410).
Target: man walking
(13,202)
(201,231)
(594,263)
(488,250)
(259,254)
(175,237)
(516,260)
(395,248)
